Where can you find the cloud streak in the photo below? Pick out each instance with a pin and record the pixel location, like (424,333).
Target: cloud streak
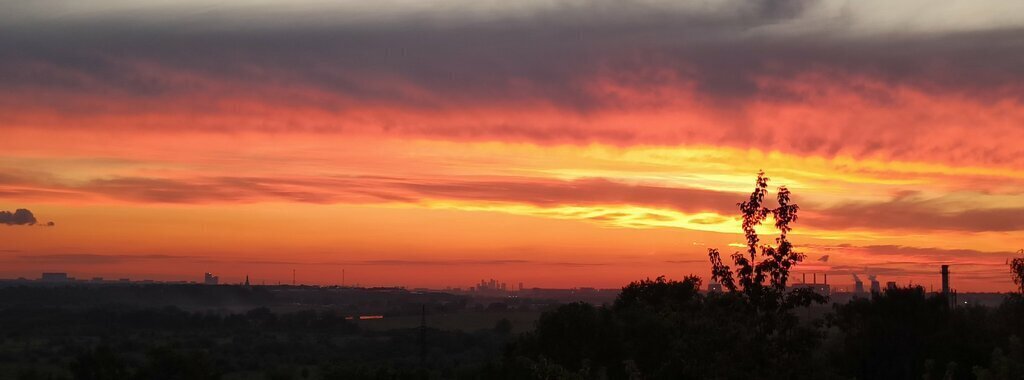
(913,213)
(96,259)
(106,259)
(906,212)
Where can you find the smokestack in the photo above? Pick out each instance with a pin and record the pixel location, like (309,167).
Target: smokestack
(804,280)
(826,278)
(858,285)
(875,286)
(815,278)
(945,281)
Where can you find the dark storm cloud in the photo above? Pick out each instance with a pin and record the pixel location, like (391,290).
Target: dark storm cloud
(821,77)
(550,55)
(782,8)
(18,217)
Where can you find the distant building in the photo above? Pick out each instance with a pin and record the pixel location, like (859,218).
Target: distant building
(890,285)
(875,287)
(858,285)
(822,288)
(210,279)
(55,277)
(491,286)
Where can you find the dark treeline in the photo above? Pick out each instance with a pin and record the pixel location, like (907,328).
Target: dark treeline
(228,298)
(656,329)
(169,343)
(667,330)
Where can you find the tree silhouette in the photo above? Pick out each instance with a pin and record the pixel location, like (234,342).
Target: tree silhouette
(1017,269)
(763,282)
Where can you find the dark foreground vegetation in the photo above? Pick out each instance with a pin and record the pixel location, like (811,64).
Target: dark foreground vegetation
(657,329)
(757,328)
(666,330)
(169,343)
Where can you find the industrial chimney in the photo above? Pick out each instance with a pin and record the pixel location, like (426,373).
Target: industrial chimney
(875,286)
(945,281)
(858,285)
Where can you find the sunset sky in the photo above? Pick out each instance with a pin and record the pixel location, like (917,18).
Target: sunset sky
(554,143)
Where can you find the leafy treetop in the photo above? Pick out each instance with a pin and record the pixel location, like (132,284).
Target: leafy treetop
(763,281)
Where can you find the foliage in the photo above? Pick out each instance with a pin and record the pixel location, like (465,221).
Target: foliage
(170,343)
(763,282)
(656,329)
(668,329)
(1004,366)
(760,275)
(904,333)
(99,364)
(663,329)
(1017,270)
(503,326)
(167,363)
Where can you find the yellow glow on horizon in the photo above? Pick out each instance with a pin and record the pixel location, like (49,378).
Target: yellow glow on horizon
(447,221)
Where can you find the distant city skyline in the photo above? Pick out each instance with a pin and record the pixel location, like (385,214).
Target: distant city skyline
(483,286)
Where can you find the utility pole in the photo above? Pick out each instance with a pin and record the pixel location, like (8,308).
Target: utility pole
(293,277)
